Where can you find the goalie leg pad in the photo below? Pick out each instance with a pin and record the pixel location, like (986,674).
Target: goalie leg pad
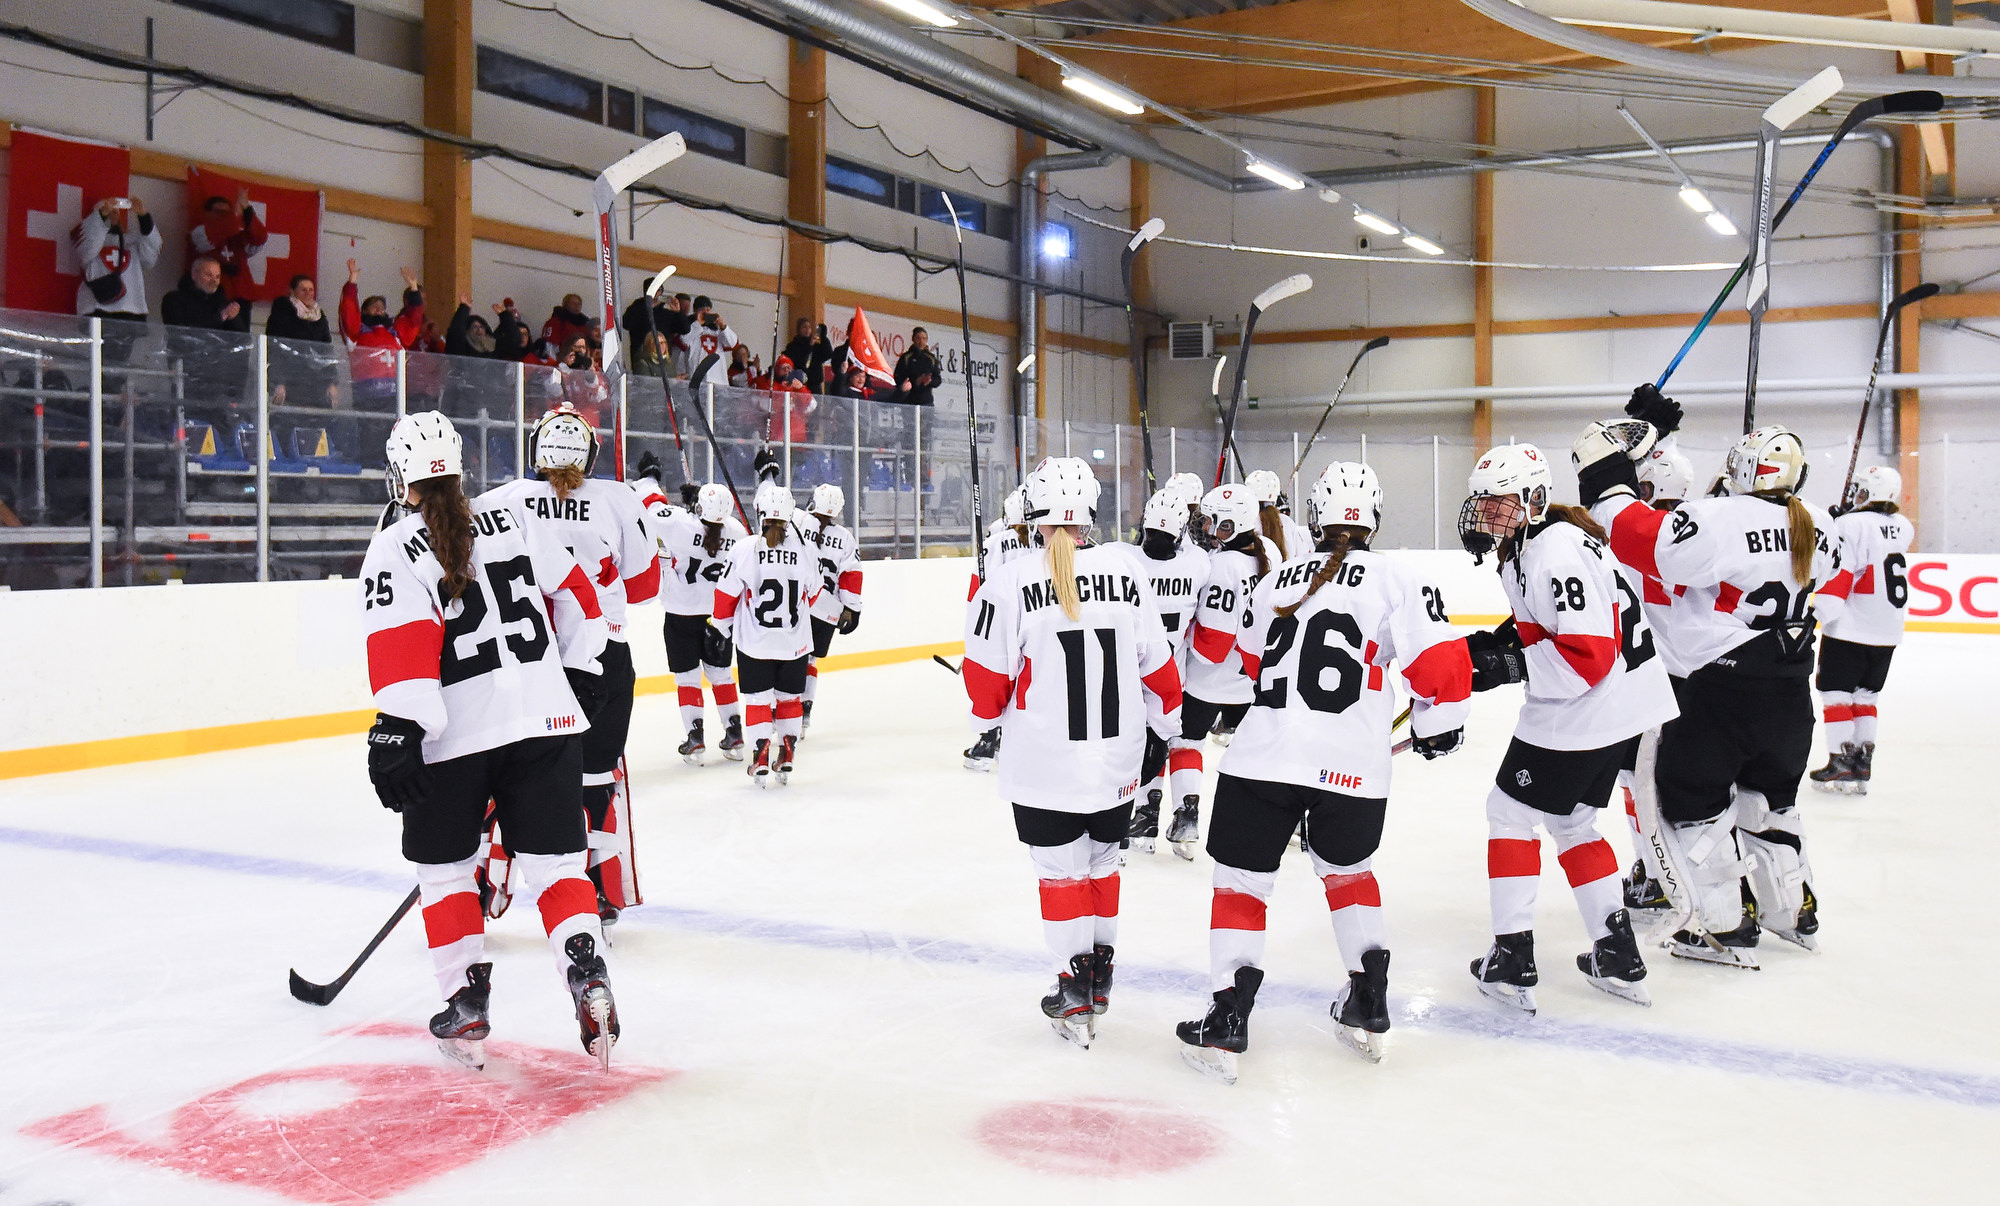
(1712,868)
(1774,844)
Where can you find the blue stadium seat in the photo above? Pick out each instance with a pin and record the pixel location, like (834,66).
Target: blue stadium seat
(210,453)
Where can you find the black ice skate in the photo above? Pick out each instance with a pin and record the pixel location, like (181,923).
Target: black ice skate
(787,750)
(1864,766)
(590,986)
(1182,832)
(1100,978)
(1842,773)
(1211,1045)
(1145,829)
(759,769)
(731,744)
(981,755)
(1643,893)
(461,1028)
(692,750)
(607,913)
(805,716)
(1730,949)
(1222,732)
(1069,1006)
(1809,913)
(1613,963)
(1361,1010)
(1507,972)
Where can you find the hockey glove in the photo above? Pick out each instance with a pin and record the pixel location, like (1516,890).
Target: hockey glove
(1605,457)
(1440,744)
(588,689)
(850,620)
(650,466)
(396,762)
(1496,661)
(1652,406)
(715,647)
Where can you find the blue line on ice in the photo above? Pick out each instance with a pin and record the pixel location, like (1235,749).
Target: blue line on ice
(1956,1088)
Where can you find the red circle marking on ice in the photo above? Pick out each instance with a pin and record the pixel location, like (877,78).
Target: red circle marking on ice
(1098,1137)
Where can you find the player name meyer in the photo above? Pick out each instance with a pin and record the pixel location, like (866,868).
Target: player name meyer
(1092,588)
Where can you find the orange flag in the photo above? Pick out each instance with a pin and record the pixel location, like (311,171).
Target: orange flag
(864,351)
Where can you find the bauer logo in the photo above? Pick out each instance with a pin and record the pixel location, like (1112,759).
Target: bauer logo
(1340,779)
(558,724)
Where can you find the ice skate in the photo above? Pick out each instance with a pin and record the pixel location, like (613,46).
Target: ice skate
(787,749)
(1069,1006)
(607,914)
(1507,972)
(1842,773)
(1145,831)
(805,718)
(1732,949)
(1613,963)
(1211,1044)
(1361,1010)
(1800,933)
(1183,833)
(693,751)
(1643,893)
(731,744)
(1864,767)
(461,1028)
(1222,733)
(759,769)
(590,987)
(1100,978)
(981,755)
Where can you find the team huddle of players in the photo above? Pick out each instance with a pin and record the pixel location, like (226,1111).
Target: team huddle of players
(1663,643)
(503,681)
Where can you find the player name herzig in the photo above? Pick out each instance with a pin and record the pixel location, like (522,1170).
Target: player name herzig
(577,510)
(485,523)
(1092,588)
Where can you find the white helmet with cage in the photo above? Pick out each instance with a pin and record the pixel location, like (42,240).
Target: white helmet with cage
(1347,493)
(714,503)
(829,500)
(1233,505)
(1666,475)
(1264,487)
(1509,486)
(1187,487)
(1877,484)
(1062,492)
(422,446)
(563,439)
(1014,507)
(774,502)
(1165,512)
(1769,458)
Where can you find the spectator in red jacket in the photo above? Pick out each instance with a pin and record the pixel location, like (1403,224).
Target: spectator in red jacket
(229,237)
(788,382)
(375,337)
(565,323)
(583,386)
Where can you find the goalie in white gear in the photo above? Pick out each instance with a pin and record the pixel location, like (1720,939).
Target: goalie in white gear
(1008,537)
(695,547)
(764,603)
(839,606)
(1068,654)
(1178,573)
(1873,541)
(1279,528)
(1325,631)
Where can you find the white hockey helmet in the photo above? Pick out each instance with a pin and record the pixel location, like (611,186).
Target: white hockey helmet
(424,445)
(1877,484)
(829,500)
(1165,512)
(1062,492)
(1347,493)
(1233,505)
(563,439)
(1014,507)
(1508,487)
(774,502)
(714,503)
(1188,487)
(1769,458)
(1264,487)
(1665,475)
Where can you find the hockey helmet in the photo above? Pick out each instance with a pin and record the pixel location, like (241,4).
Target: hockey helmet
(1666,475)
(1165,512)
(1232,505)
(1188,487)
(422,446)
(774,502)
(1264,487)
(1347,493)
(1508,487)
(563,439)
(1062,492)
(714,503)
(1769,458)
(828,500)
(1877,484)
(1014,507)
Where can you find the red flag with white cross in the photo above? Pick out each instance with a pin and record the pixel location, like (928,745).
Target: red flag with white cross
(53,183)
(290,219)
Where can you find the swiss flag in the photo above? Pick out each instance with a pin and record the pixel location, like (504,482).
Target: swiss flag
(291,218)
(54,183)
(864,351)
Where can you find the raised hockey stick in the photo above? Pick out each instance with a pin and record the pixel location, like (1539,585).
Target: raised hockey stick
(1918,101)
(1145,234)
(1221,414)
(971,407)
(1291,286)
(653,289)
(323,994)
(695,383)
(1371,345)
(604,198)
(1906,298)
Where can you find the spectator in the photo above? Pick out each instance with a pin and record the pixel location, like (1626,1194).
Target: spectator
(115,262)
(231,236)
(565,323)
(671,318)
(300,371)
(789,384)
(810,351)
(682,337)
(469,334)
(583,386)
(856,383)
(916,370)
(376,337)
(652,355)
(710,335)
(208,334)
(743,367)
(511,339)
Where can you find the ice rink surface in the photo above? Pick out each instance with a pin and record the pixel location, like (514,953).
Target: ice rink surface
(831,997)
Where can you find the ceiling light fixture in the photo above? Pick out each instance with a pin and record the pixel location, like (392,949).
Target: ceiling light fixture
(1277,176)
(1422,244)
(1378,225)
(1719,223)
(1104,94)
(1697,200)
(928,13)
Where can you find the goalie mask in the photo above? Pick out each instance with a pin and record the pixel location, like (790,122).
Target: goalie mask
(1768,459)
(563,440)
(1508,489)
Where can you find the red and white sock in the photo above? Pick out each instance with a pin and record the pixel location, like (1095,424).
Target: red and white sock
(757,716)
(786,715)
(722,685)
(1236,922)
(1355,900)
(1069,900)
(1864,717)
(687,686)
(453,924)
(1183,772)
(566,897)
(1513,862)
(1837,710)
(812,679)
(1591,867)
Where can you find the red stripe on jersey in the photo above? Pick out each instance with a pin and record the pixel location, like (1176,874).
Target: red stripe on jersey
(1180,760)
(645,584)
(1588,863)
(1021,684)
(986,689)
(690,697)
(564,899)
(1837,713)
(655,497)
(850,582)
(1374,671)
(1346,891)
(1635,538)
(1166,683)
(1861,710)
(1104,895)
(972,589)
(1507,857)
(1252,664)
(1067,899)
(607,571)
(1590,656)
(404,652)
(578,585)
(725,693)
(1212,644)
(1727,597)
(725,606)
(1656,591)
(456,916)
(1441,674)
(790,707)
(1235,911)
(1865,585)
(1842,583)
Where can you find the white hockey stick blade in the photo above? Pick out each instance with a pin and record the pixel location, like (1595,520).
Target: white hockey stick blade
(1291,286)
(1215,382)
(1153,228)
(640,163)
(1804,99)
(659,282)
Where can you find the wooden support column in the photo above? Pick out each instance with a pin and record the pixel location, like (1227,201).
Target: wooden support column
(805,183)
(1037,70)
(1482,278)
(448,78)
(1909,273)
(1142,272)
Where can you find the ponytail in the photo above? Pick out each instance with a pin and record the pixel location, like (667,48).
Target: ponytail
(711,537)
(1061,545)
(774,532)
(1334,549)
(448,519)
(1247,542)
(564,479)
(1274,527)
(1579,518)
(1804,536)
(1885,507)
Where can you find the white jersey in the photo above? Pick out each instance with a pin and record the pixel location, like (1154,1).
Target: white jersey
(1178,584)
(688,571)
(1325,705)
(1667,607)
(1215,673)
(602,523)
(839,571)
(1734,556)
(1594,674)
(1074,697)
(765,598)
(1003,545)
(486,669)
(1874,548)
(1298,541)
(703,343)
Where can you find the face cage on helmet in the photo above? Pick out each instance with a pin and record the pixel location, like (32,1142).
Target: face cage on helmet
(1486,521)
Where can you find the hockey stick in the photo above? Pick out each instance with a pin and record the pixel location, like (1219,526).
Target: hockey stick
(1889,316)
(721,462)
(1144,235)
(971,408)
(323,994)
(1289,287)
(1221,415)
(604,197)
(947,665)
(653,288)
(1371,345)
(1920,101)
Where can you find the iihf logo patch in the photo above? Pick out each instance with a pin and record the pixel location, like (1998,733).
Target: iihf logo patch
(1523,778)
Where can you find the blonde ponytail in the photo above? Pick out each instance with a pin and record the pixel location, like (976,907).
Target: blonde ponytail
(1804,537)
(1274,528)
(565,480)
(1061,546)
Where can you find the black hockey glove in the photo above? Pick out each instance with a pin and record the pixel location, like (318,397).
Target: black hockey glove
(850,620)
(396,762)
(1496,660)
(715,647)
(650,466)
(1440,744)
(588,689)
(1654,407)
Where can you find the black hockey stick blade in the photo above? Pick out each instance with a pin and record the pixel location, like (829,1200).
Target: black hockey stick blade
(701,371)
(323,994)
(1910,297)
(947,665)
(1380,341)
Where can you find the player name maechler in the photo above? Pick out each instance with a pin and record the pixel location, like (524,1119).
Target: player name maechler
(575,509)
(486,523)
(1093,588)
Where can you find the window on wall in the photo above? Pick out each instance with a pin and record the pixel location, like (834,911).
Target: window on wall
(854,180)
(621,109)
(540,85)
(971,210)
(328,23)
(705,135)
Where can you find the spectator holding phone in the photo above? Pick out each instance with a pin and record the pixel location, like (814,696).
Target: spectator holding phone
(117,242)
(810,351)
(230,235)
(916,371)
